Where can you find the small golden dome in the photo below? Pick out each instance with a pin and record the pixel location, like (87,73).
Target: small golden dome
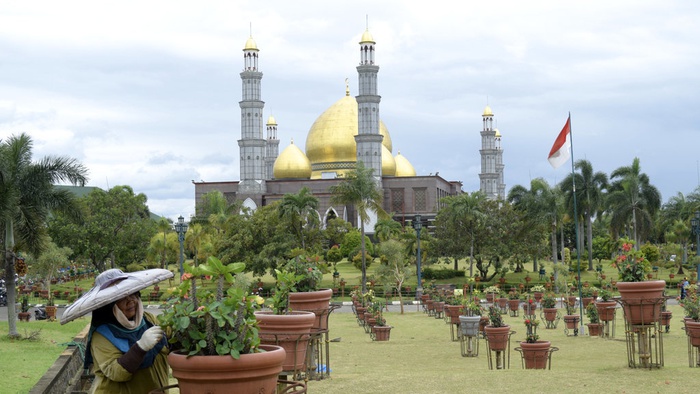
(330,143)
(388,163)
(498,133)
(403,166)
(250,45)
(292,164)
(487,111)
(272,121)
(367,38)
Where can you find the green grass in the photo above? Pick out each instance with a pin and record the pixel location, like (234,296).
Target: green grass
(25,361)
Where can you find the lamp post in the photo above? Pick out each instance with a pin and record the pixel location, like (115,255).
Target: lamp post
(417,225)
(695,224)
(181,229)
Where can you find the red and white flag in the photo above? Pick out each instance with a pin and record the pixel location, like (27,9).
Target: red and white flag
(561,151)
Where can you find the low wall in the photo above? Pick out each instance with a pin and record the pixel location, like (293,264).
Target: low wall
(65,375)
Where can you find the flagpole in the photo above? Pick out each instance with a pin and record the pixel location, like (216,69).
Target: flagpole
(578,243)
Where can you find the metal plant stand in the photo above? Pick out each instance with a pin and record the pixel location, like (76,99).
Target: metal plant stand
(571,331)
(645,345)
(550,324)
(548,355)
(693,354)
(318,354)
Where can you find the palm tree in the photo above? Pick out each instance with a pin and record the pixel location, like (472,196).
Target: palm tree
(359,190)
(632,199)
(299,209)
(468,208)
(590,188)
(164,226)
(27,196)
(196,239)
(540,206)
(386,229)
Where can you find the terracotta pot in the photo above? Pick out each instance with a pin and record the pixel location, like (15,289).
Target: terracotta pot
(498,337)
(529,309)
(290,331)
(586,301)
(571,321)
(641,301)
(483,323)
(692,329)
(513,305)
(666,318)
(381,333)
(606,310)
(453,312)
(502,302)
(594,329)
(535,354)
(24,316)
(251,373)
(538,296)
(490,297)
(469,325)
(360,311)
(550,314)
(51,312)
(317,302)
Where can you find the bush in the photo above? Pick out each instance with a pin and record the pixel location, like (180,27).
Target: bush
(357,260)
(133,267)
(441,273)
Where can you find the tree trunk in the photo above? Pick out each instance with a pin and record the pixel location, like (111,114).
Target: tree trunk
(10,284)
(589,241)
(364,263)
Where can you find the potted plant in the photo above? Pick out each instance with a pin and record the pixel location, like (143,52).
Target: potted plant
(24,314)
(538,292)
(594,324)
(535,352)
(639,297)
(497,332)
(308,296)
(491,292)
(469,323)
(529,306)
(691,307)
(513,302)
(606,307)
(587,295)
(213,333)
(549,310)
(571,319)
(50,309)
(284,327)
(380,330)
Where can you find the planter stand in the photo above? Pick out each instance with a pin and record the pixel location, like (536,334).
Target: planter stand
(502,357)
(318,359)
(576,321)
(547,356)
(645,345)
(514,309)
(468,335)
(693,347)
(608,330)
(550,324)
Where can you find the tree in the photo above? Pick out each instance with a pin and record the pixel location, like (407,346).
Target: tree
(116,225)
(359,190)
(49,261)
(335,231)
(164,226)
(299,209)
(459,218)
(632,201)
(27,196)
(590,187)
(386,229)
(680,233)
(196,241)
(396,268)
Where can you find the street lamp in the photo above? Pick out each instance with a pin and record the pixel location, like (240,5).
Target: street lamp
(181,229)
(695,224)
(417,226)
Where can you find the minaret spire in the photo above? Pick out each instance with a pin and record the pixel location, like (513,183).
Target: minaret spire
(368,138)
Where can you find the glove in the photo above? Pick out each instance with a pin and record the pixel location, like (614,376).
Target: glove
(150,338)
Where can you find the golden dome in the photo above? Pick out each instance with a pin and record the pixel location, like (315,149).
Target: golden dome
(330,144)
(403,166)
(498,133)
(487,111)
(388,163)
(272,121)
(250,45)
(292,164)
(367,38)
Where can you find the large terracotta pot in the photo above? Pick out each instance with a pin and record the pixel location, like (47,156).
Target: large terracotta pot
(51,312)
(594,329)
(535,354)
(571,321)
(550,314)
(317,302)
(502,302)
(606,310)
(469,325)
(291,331)
(538,296)
(513,305)
(453,312)
(529,309)
(586,301)
(692,329)
(666,318)
(641,301)
(498,337)
(490,297)
(250,374)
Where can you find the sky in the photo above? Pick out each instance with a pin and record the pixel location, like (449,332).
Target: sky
(146,93)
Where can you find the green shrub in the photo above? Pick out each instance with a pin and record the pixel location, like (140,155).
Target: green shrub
(441,273)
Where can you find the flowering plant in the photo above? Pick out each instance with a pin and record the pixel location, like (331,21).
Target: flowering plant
(531,335)
(632,265)
(691,303)
(492,289)
(201,319)
(307,269)
(538,289)
(548,301)
(592,313)
(495,318)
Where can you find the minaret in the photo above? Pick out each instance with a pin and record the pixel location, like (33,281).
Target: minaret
(272,147)
(252,144)
(488,176)
(368,139)
(500,166)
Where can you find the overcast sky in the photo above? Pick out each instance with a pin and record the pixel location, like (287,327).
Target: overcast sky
(145,93)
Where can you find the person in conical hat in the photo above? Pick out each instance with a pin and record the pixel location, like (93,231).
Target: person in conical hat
(126,348)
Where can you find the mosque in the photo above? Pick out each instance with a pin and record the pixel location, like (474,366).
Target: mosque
(350,130)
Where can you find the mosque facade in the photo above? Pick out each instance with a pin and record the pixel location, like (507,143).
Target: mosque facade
(350,130)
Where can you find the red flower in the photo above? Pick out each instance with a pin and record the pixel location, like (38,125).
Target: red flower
(626,247)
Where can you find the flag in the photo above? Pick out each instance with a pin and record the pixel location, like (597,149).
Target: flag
(560,152)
